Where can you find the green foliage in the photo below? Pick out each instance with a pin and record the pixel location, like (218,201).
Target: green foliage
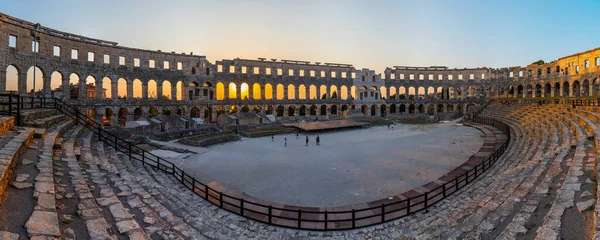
(334,95)
(539,62)
(324,96)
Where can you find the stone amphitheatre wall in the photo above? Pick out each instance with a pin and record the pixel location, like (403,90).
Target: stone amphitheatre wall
(286,88)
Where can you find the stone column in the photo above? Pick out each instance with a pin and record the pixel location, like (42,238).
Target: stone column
(159,91)
(22,83)
(570,90)
(82,89)
(174,92)
(47,90)
(129,90)
(262,94)
(66,88)
(144,90)
(184,91)
(250,93)
(114,90)
(238,91)
(2,81)
(591,89)
(226,92)
(552,94)
(99,90)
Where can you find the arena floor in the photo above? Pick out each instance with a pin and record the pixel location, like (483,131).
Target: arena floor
(349,167)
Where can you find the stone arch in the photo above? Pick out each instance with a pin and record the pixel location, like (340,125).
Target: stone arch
(344,92)
(167,89)
(576,88)
(12,78)
(440,108)
(393,94)
(302,110)
(122,89)
(430,92)
(280,111)
(312,89)
(402,108)
(292,110)
(393,108)
(333,110)
(383,110)
(152,112)
(56,83)
(586,88)
(138,113)
(107,117)
(353,92)
(152,89)
(566,89)
(39,79)
(123,116)
(268,91)
(323,110)
(421,92)
(233,109)
(344,108)
(137,88)
(547,89)
(520,91)
(364,109)
(257,109)
(383,91)
(538,90)
(220,110)
(402,92)
(167,111)
(333,93)
(232,90)
(244,91)
(220,91)
(373,110)
(411,108)
(280,92)
(302,92)
(411,93)
(322,92)
(256,94)
(106,90)
(421,108)
(529,91)
(180,111)
(291,92)
(195,112)
(313,110)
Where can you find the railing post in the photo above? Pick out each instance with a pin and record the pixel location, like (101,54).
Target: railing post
(353,218)
(270,210)
(444,190)
(158,163)
(221,199)
(382,212)
(10,104)
(143,157)
(408,206)
(299,218)
(206,192)
(242,207)
(426,198)
(467,178)
(129,150)
(456,183)
(325,219)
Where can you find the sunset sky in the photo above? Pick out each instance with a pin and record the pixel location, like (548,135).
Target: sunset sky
(367,34)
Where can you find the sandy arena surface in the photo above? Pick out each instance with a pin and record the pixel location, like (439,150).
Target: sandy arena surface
(349,167)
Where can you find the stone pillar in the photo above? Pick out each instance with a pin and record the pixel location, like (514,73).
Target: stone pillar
(552,94)
(144,90)
(591,89)
(99,90)
(82,89)
(184,91)
(533,89)
(238,92)
(46,82)
(22,84)
(263,94)
(350,92)
(114,90)
(226,93)
(66,88)
(174,92)
(250,93)
(2,81)
(159,91)
(129,90)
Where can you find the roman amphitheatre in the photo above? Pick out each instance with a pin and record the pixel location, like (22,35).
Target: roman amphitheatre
(127,143)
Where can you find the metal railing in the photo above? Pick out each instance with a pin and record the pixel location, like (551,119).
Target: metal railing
(278,216)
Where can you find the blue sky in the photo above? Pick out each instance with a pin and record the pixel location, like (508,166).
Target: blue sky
(368,34)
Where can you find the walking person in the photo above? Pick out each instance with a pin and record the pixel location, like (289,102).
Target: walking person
(306,141)
(272,138)
(318,141)
(285,142)
(297,136)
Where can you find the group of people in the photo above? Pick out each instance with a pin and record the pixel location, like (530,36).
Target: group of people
(318,140)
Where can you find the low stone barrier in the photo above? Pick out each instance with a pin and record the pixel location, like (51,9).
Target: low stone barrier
(6,123)
(9,156)
(227,137)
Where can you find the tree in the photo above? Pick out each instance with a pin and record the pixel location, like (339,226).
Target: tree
(334,95)
(539,62)
(165,97)
(324,96)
